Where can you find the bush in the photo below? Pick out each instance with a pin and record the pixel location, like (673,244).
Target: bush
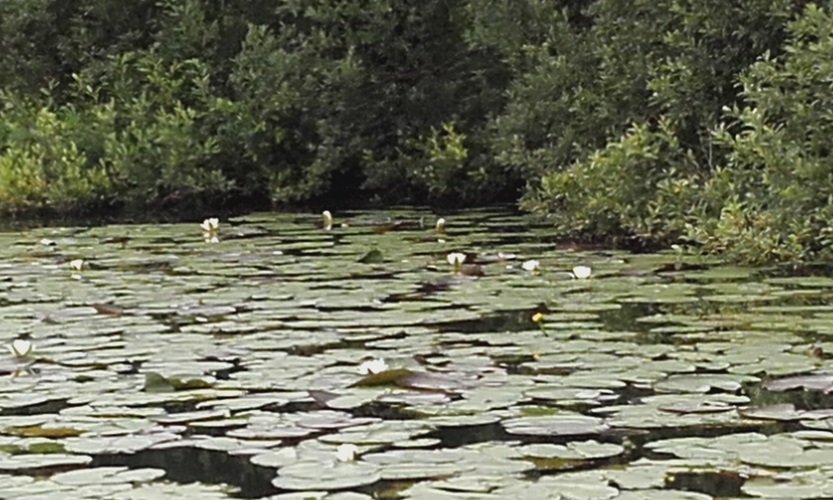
(178,102)
(640,185)
(774,198)
(616,118)
(705,119)
(41,164)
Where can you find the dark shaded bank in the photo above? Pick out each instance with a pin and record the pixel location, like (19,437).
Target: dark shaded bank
(119,213)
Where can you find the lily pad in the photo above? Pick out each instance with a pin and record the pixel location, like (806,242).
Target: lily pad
(555,425)
(107,475)
(318,476)
(813,382)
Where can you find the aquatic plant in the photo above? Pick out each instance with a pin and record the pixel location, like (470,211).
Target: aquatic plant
(531,265)
(373,366)
(20,348)
(581,272)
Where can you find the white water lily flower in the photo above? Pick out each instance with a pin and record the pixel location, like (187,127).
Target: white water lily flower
(456,258)
(20,348)
(531,265)
(582,272)
(346,452)
(327,219)
(440,227)
(373,366)
(210,225)
(77,264)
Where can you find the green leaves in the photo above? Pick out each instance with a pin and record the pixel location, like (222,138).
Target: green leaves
(707,120)
(178,104)
(642,129)
(773,196)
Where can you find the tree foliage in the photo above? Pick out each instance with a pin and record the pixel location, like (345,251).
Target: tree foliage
(706,120)
(638,136)
(184,102)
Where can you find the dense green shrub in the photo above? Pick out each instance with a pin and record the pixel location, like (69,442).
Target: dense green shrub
(636,62)
(637,185)
(774,197)
(128,136)
(41,164)
(148,118)
(702,119)
(183,102)
(629,148)
(390,75)
(43,42)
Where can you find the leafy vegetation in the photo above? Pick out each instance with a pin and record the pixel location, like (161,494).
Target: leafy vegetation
(701,120)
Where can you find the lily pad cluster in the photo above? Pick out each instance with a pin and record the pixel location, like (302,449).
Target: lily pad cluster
(285,359)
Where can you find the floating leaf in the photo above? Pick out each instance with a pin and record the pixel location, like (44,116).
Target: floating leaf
(695,406)
(43,431)
(40,463)
(373,256)
(155,382)
(194,416)
(429,382)
(108,309)
(318,476)
(782,412)
(107,475)
(555,425)
(812,382)
(387,377)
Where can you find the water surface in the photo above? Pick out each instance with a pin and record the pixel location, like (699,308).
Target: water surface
(175,365)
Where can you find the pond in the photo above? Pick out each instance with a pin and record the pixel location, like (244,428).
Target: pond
(275,358)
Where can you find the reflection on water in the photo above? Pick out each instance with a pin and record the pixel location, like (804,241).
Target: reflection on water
(187,464)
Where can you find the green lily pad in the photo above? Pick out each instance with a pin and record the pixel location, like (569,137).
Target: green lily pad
(813,382)
(42,462)
(107,475)
(373,256)
(241,356)
(576,451)
(555,425)
(321,476)
(155,382)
